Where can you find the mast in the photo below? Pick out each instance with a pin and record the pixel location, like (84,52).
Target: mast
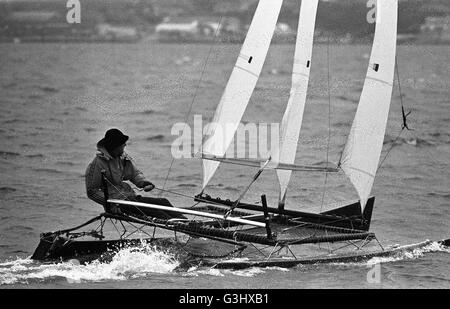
(362,151)
(293,116)
(241,84)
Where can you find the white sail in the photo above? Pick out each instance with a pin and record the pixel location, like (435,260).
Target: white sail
(362,151)
(293,116)
(241,84)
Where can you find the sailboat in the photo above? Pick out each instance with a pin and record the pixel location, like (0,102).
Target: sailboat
(258,235)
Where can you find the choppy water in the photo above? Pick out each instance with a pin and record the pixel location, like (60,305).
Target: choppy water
(57,101)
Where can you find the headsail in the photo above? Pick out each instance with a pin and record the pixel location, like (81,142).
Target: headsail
(362,151)
(293,116)
(241,84)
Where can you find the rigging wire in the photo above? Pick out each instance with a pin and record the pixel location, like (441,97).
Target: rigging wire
(404,117)
(329,124)
(174,193)
(195,94)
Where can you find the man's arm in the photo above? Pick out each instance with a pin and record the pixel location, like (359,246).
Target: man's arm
(94,185)
(138,177)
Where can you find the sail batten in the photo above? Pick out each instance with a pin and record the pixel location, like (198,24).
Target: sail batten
(362,150)
(293,116)
(241,84)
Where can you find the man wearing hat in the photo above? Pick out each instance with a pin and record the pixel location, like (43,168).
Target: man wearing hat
(119,167)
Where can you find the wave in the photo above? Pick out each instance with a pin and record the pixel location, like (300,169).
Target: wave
(37,155)
(158,137)
(128,263)
(185,178)
(6,190)
(228,188)
(250,272)
(66,163)
(13,121)
(440,138)
(10,85)
(34,96)
(260,88)
(347,99)
(342,125)
(439,134)
(187,185)
(417,142)
(8,154)
(52,119)
(48,89)
(21,228)
(47,170)
(146,112)
(435,194)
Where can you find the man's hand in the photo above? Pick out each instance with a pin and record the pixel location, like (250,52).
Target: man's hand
(147,186)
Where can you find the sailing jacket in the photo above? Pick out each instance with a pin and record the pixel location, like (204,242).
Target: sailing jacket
(117,171)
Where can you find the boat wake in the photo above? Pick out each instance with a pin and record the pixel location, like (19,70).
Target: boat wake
(128,263)
(248,272)
(416,251)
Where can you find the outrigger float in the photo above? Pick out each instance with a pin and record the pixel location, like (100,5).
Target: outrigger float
(233,234)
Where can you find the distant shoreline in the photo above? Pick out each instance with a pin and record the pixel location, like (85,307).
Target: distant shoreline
(190,42)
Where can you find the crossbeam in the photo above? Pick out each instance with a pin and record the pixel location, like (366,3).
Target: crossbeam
(188,212)
(278,165)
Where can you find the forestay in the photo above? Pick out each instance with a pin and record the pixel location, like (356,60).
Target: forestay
(241,84)
(362,151)
(293,116)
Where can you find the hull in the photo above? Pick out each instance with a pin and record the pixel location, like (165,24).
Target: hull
(104,250)
(61,249)
(327,259)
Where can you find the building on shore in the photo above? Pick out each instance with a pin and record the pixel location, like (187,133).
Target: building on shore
(46,21)
(198,29)
(111,33)
(435,29)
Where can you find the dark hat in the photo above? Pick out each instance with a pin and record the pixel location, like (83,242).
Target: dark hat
(113,139)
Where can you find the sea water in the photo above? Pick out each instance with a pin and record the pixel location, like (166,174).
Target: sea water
(57,100)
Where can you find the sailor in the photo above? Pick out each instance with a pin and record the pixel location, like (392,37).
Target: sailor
(118,168)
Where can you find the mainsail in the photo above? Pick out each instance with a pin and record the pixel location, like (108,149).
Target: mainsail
(241,84)
(362,151)
(293,116)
